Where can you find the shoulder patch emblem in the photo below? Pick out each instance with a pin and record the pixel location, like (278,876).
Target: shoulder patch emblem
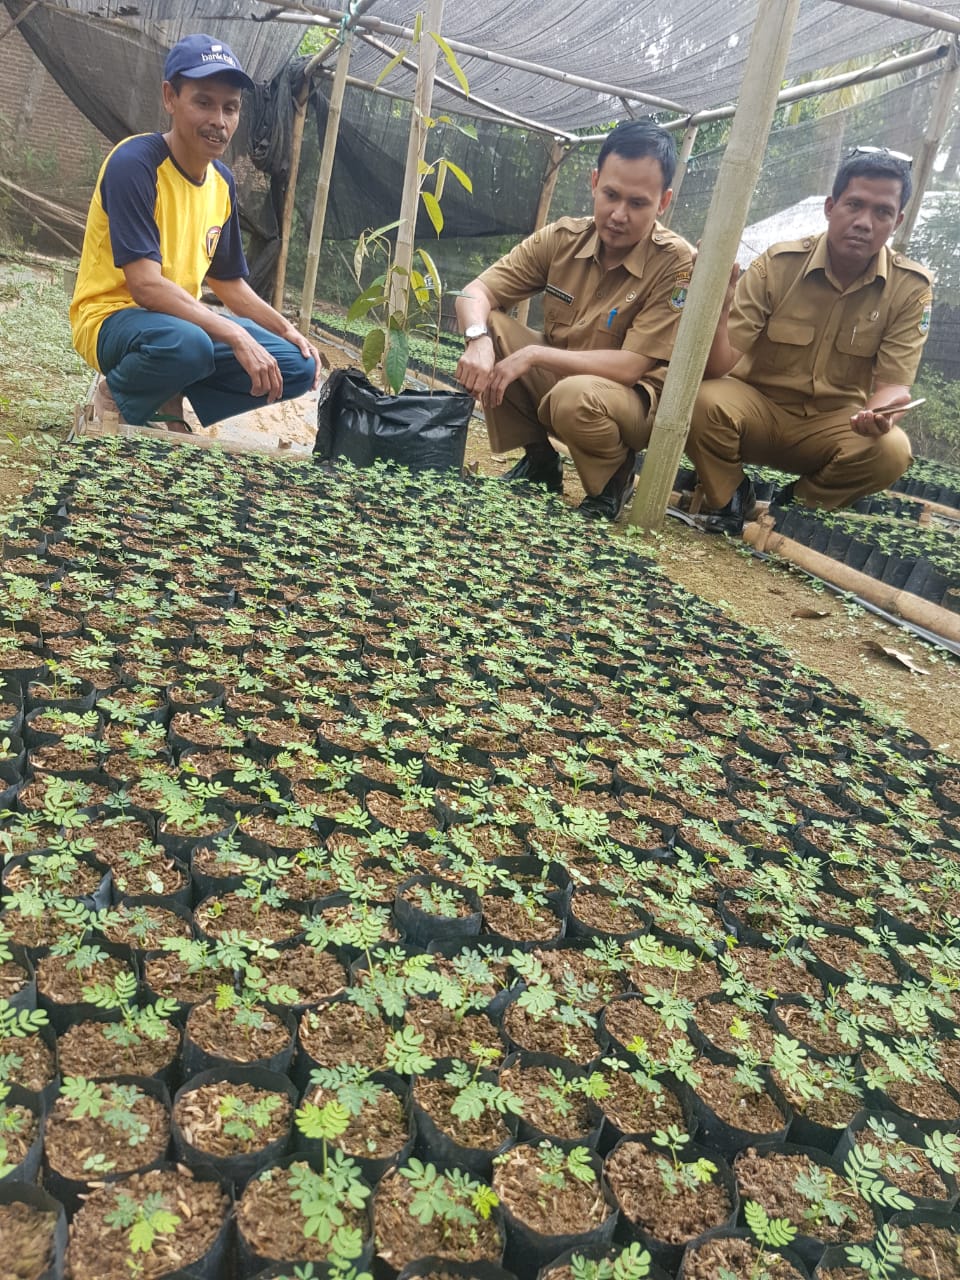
(925,314)
(212,240)
(558,293)
(681,282)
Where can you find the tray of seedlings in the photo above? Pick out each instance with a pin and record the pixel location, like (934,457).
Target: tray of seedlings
(401,878)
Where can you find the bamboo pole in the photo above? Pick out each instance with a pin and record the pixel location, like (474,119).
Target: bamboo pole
(318,221)
(321,16)
(347,22)
(290,195)
(451,87)
(489,108)
(683,159)
(907,12)
(15,22)
(933,136)
(558,153)
(416,149)
(762,536)
(63,213)
(811,88)
(769,48)
(32,213)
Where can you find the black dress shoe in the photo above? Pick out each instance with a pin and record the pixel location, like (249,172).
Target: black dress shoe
(730,519)
(612,498)
(541,468)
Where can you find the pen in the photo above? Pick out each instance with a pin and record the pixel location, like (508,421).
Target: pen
(610,316)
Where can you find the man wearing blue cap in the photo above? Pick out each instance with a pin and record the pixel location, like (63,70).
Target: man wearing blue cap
(163,222)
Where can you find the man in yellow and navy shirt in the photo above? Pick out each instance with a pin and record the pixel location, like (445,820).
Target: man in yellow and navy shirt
(163,222)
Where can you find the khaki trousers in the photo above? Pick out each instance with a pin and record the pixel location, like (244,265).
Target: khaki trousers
(733,423)
(597,419)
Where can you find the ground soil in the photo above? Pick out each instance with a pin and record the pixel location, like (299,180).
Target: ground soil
(26,1241)
(822,631)
(402,1238)
(70,1140)
(673,1213)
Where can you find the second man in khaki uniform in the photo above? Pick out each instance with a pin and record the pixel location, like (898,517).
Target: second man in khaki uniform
(821,341)
(614,286)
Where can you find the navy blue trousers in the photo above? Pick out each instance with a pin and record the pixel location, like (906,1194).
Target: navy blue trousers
(147,357)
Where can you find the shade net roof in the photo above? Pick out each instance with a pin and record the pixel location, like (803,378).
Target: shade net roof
(108,57)
(689,52)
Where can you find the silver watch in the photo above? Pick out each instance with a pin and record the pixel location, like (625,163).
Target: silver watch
(474,331)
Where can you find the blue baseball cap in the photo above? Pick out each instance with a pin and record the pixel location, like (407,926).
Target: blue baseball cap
(198,56)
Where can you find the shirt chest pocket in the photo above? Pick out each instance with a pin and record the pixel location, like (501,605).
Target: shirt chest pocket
(557,318)
(789,344)
(606,334)
(860,339)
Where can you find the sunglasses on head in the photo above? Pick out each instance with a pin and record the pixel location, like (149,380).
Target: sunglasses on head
(881,151)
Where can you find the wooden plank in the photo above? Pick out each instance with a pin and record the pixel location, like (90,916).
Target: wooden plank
(85,428)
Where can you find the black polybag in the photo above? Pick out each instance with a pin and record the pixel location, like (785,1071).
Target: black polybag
(425,431)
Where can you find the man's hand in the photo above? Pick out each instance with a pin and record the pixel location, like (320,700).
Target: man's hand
(506,371)
(309,352)
(265,377)
(878,421)
(476,365)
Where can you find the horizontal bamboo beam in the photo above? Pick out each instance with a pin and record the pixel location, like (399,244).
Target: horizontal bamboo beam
(811,88)
(762,536)
(321,16)
(451,87)
(907,12)
(535,126)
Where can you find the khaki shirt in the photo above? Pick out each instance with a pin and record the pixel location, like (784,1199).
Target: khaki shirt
(809,341)
(633,307)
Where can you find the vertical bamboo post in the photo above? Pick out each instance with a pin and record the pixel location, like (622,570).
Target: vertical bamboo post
(289,199)
(416,149)
(317,222)
(683,159)
(933,137)
(739,169)
(558,153)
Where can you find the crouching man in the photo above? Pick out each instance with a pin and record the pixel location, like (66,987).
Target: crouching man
(163,222)
(821,340)
(614,286)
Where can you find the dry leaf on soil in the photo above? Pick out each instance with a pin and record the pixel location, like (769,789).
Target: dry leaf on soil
(898,656)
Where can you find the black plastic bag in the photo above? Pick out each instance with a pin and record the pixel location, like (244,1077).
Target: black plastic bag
(416,429)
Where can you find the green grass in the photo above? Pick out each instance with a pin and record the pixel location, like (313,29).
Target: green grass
(41,376)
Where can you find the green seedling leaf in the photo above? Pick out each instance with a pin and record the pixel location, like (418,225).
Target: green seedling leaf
(452,63)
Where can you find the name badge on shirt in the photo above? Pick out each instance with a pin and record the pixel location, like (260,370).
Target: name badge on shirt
(558,293)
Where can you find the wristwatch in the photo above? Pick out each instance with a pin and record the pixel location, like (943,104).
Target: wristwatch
(473,331)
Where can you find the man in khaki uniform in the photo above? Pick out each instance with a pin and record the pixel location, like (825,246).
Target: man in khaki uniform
(614,288)
(822,342)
